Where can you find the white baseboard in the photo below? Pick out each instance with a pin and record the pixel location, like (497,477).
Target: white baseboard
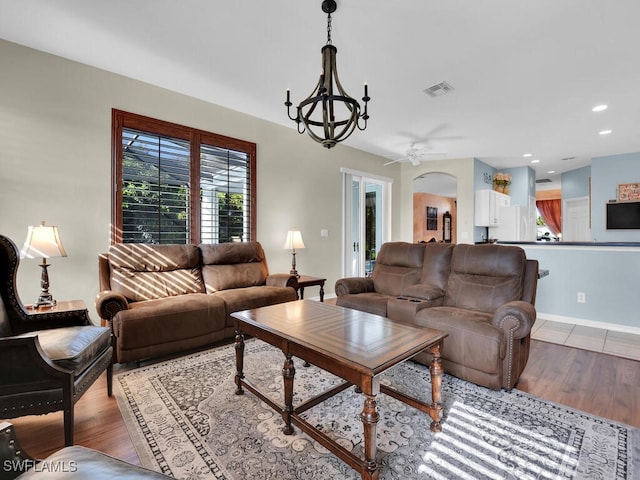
(614,327)
(327,296)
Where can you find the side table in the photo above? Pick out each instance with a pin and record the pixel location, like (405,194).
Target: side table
(62,309)
(307,281)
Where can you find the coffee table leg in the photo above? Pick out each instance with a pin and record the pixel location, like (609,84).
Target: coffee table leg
(370,419)
(288,372)
(239,362)
(436,388)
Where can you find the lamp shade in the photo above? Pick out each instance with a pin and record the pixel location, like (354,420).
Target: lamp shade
(294,240)
(42,241)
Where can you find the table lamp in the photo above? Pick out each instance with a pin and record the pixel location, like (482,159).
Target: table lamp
(293,241)
(43,241)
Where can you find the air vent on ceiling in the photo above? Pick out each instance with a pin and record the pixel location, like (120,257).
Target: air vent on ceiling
(543,180)
(438,89)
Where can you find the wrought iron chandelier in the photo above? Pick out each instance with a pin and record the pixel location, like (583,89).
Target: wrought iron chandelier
(318,112)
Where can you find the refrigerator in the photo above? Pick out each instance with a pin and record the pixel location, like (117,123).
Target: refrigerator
(516,224)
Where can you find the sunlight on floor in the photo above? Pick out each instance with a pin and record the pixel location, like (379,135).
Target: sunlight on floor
(475,441)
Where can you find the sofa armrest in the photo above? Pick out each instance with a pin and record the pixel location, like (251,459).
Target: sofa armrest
(349,285)
(434,295)
(109,303)
(25,352)
(516,317)
(282,280)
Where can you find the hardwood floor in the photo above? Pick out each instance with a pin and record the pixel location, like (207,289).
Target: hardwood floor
(594,382)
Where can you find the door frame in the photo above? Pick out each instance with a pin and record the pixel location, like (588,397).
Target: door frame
(348,176)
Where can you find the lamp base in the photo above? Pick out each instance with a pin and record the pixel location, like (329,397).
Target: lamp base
(44,300)
(293,270)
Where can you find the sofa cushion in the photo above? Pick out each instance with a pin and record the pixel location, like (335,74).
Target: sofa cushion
(437,264)
(370,302)
(168,320)
(146,272)
(74,348)
(82,462)
(233,265)
(237,299)
(398,265)
(485,277)
(472,339)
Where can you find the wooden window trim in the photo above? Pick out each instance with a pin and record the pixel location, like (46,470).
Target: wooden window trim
(121,119)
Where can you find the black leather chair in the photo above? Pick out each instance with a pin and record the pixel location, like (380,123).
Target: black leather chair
(47,361)
(70,462)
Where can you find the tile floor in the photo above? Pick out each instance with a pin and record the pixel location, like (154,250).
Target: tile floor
(625,345)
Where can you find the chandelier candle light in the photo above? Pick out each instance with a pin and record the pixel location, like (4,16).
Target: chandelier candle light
(43,241)
(328,100)
(293,241)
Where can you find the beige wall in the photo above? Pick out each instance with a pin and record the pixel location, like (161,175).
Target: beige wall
(55,159)
(462,169)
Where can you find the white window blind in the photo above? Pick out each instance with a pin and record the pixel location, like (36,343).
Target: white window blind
(155,188)
(174,184)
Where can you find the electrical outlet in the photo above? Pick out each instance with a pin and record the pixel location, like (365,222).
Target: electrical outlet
(582,297)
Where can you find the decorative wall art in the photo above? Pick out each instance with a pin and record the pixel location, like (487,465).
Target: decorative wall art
(432,218)
(629,192)
(446,227)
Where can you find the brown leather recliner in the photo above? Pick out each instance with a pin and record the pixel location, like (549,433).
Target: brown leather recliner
(48,360)
(483,296)
(488,311)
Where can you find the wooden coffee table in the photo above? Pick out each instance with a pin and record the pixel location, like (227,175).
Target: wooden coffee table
(353,345)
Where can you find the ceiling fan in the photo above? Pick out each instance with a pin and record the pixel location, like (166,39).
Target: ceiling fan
(415,156)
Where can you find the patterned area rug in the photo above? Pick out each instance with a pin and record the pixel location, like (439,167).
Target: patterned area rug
(186,421)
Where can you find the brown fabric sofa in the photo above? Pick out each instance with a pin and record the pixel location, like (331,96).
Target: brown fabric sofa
(483,296)
(163,299)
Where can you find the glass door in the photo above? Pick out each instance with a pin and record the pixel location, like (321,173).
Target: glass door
(366,221)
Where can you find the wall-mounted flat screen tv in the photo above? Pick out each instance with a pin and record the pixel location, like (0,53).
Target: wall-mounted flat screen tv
(625,215)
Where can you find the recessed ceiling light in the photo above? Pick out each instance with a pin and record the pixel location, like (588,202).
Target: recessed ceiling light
(551,171)
(605,132)
(599,108)
(535,161)
(526,155)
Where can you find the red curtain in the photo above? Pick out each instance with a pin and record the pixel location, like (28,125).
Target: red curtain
(551,213)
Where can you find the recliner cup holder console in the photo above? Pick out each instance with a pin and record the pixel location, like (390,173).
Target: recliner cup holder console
(414,300)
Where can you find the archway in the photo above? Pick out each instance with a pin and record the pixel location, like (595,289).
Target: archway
(434,194)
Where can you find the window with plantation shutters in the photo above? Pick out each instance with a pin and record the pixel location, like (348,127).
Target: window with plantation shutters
(175,184)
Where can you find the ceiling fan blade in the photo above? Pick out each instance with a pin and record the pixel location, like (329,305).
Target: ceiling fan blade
(394,161)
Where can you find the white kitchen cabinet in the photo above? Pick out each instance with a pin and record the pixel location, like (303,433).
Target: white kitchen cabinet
(488,203)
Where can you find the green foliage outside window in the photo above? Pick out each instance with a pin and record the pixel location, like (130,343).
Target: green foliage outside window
(231,217)
(154,206)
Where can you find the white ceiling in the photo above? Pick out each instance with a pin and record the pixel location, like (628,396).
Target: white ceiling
(525,73)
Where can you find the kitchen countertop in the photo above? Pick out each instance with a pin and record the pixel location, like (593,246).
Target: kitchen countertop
(575,244)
